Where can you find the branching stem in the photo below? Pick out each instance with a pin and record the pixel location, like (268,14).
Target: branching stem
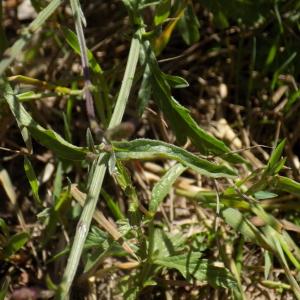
(98,175)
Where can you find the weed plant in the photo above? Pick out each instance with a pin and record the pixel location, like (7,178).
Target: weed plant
(135,193)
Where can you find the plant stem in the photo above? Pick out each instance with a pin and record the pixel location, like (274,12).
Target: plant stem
(98,176)
(78,17)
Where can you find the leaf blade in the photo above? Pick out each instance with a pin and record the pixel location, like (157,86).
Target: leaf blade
(162,187)
(153,149)
(34,184)
(46,137)
(179,117)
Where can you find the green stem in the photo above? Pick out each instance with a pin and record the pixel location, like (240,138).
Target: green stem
(127,80)
(98,176)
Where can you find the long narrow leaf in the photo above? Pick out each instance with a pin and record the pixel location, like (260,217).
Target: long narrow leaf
(162,187)
(152,149)
(34,184)
(46,137)
(179,117)
(286,184)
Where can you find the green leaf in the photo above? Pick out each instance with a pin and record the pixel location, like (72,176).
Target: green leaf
(4,227)
(163,186)
(34,184)
(28,96)
(179,117)
(275,158)
(162,11)
(287,185)
(97,238)
(287,62)
(46,137)
(236,220)
(264,195)
(112,205)
(221,20)
(272,52)
(191,266)
(220,277)
(123,178)
(57,185)
(292,100)
(15,243)
(268,264)
(188,26)
(265,217)
(152,149)
(187,265)
(167,244)
(277,241)
(175,82)
(241,224)
(90,141)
